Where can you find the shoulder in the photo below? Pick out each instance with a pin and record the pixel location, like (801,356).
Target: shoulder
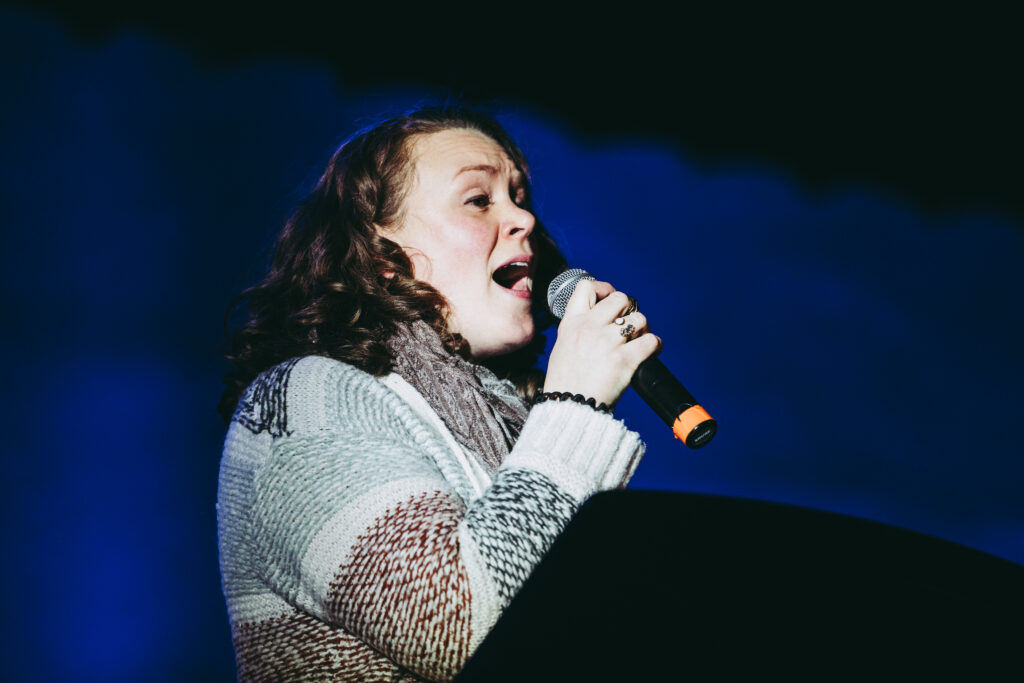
(314,393)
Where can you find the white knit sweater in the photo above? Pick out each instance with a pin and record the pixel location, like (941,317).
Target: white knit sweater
(358,541)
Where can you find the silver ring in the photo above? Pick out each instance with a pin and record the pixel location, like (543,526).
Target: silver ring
(627,330)
(632,308)
(620,320)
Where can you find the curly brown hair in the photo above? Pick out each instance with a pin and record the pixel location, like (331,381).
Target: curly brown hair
(336,287)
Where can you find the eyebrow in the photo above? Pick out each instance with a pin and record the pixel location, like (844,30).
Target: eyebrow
(517,176)
(486,168)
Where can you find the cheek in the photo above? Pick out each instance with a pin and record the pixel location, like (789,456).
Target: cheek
(450,252)
(465,251)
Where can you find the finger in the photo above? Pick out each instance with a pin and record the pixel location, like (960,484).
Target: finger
(632,328)
(641,348)
(611,307)
(637,320)
(586,296)
(627,332)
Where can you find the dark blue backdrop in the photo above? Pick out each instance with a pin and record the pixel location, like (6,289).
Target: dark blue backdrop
(859,357)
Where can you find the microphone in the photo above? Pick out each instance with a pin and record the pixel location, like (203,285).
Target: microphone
(666,396)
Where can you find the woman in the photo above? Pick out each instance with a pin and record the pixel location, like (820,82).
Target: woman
(383,492)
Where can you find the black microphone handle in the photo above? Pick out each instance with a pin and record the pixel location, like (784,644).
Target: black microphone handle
(670,400)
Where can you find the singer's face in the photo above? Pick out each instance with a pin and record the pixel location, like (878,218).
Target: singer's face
(467,235)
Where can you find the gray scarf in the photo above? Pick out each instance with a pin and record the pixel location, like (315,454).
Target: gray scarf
(483,413)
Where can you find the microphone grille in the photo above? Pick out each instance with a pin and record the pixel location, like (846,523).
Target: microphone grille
(562,287)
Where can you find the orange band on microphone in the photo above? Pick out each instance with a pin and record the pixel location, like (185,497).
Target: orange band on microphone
(687,420)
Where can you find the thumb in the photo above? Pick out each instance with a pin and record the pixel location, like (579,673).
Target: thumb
(586,294)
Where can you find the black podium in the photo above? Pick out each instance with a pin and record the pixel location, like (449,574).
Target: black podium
(665,586)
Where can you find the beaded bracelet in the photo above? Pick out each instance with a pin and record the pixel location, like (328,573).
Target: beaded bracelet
(575,398)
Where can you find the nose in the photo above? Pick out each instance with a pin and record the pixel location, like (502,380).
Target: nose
(518,223)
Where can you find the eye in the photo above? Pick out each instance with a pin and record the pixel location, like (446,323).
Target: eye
(481,201)
(518,194)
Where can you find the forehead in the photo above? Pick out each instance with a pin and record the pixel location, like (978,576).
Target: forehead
(445,153)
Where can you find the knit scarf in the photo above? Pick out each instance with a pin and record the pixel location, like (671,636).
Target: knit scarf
(483,413)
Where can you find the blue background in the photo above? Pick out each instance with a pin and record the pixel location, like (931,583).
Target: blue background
(860,356)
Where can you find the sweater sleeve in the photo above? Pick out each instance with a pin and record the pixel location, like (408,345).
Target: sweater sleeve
(355,524)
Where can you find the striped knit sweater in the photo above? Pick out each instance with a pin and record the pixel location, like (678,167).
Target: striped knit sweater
(359,542)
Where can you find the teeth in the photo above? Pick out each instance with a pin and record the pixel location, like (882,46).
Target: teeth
(512,273)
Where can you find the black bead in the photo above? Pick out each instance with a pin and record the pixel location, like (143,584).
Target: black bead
(569,396)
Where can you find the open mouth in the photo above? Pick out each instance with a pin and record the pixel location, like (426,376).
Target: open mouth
(514,276)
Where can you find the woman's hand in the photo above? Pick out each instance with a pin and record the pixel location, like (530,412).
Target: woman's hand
(591,356)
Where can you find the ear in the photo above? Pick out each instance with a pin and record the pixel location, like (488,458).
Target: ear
(420,262)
